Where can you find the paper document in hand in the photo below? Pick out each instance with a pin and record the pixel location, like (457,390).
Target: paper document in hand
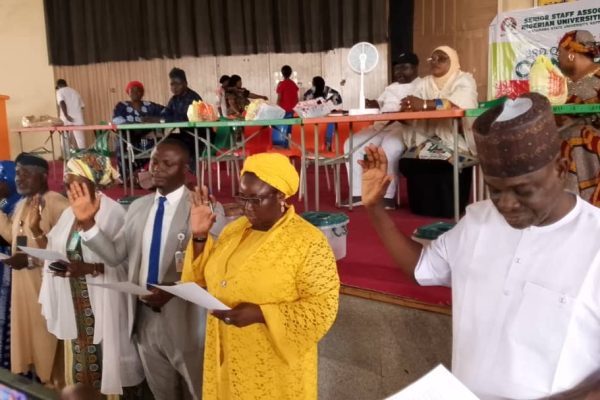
(438,384)
(3,256)
(42,254)
(124,287)
(194,294)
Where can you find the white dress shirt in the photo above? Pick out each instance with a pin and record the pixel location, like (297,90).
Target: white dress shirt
(171,204)
(389,100)
(526,303)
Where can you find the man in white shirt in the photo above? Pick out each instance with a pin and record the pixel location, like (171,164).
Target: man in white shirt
(71,109)
(168,331)
(387,135)
(524,266)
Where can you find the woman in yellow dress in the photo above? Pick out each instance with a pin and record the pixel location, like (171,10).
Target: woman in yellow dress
(278,274)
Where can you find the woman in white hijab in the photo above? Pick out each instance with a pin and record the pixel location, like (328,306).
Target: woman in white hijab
(91,320)
(447,87)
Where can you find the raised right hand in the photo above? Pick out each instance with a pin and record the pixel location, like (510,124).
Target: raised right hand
(201,215)
(83,205)
(35,218)
(375,179)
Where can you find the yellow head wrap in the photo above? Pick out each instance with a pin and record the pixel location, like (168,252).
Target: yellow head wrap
(92,166)
(274,169)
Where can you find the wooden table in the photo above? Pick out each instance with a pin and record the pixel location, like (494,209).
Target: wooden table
(63,131)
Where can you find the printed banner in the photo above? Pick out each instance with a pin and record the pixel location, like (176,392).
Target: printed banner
(518,37)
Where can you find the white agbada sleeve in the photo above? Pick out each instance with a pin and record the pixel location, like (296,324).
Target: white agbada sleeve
(55,293)
(121,366)
(435,265)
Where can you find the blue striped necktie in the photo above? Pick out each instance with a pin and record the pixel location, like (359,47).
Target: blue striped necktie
(154,261)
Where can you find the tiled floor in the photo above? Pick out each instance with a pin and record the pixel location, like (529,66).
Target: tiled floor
(375,349)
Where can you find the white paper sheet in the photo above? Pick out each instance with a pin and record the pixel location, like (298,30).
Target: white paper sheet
(42,254)
(125,287)
(195,294)
(438,384)
(3,256)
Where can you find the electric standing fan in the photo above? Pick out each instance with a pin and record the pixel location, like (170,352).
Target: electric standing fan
(362,59)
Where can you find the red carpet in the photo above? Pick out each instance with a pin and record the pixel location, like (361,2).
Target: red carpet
(367,266)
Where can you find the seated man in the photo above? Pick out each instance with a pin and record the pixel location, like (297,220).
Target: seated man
(524,266)
(388,135)
(176,110)
(183,96)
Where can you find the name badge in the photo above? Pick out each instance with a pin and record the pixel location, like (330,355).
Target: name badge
(180,253)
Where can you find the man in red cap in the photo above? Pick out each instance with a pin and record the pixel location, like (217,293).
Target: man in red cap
(524,266)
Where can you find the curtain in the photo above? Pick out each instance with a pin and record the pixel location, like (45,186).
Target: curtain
(91,31)
(401,14)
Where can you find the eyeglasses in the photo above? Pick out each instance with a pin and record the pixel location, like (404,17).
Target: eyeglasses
(438,59)
(254,201)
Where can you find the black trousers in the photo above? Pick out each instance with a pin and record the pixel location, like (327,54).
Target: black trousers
(430,187)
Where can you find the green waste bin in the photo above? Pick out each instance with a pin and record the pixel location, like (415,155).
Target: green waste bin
(432,231)
(334,226)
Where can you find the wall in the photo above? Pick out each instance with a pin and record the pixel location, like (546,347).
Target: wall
(29,80)
(26,76)
(102,85)
(460,24)
(508,5)
(463,25)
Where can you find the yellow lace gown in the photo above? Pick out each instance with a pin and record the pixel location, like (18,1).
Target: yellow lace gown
(290,271)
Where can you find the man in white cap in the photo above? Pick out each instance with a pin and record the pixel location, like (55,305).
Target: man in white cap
(388,135)
(524,266)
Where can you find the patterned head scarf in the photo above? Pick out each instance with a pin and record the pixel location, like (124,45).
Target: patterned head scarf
(92,166)
(7,175)
(441,81)
(133,84)
(517,137)
(275,170)
(580,41)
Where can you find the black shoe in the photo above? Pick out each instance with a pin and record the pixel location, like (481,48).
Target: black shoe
(356,201)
